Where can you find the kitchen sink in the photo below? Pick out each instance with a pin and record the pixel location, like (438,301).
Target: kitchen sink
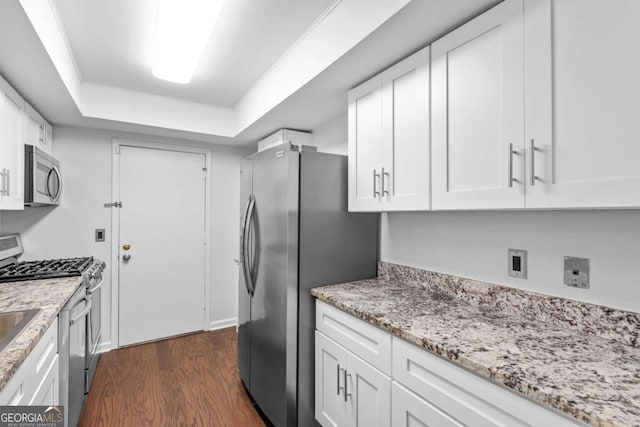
(12,323)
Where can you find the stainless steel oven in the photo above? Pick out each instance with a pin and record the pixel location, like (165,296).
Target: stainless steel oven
(72,331)
(42,178)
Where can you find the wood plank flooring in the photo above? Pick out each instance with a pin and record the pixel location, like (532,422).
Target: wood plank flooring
(185,381)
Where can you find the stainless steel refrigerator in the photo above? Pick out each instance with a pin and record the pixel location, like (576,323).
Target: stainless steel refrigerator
(296,234)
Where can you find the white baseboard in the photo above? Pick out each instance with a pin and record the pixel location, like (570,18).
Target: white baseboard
(104,347)
(224,323)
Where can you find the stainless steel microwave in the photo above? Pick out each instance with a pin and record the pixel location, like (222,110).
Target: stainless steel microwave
(42,178)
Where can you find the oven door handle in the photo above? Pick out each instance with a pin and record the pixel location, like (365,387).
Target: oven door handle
(96,287)
(84,311)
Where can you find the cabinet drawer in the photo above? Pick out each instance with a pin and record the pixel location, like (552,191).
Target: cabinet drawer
(408,409)
(464,396)
(362,339)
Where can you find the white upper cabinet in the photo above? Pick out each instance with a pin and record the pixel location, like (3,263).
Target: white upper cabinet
(11,148)
(37,131)
(582,103)
(365,145)
(389,167)
(478,112)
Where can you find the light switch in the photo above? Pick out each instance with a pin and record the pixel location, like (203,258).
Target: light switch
(100,234)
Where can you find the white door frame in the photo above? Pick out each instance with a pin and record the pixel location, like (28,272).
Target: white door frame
(115,228)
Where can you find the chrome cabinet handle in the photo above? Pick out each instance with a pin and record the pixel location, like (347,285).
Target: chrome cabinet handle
(376,175)
(532,160)
(7,180)
(3,185)
(338,388)
(346,393)
(510,179)
(384,190)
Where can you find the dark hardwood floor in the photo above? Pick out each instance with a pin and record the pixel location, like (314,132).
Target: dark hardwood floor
(186,381)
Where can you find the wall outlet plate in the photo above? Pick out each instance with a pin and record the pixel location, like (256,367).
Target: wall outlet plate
(100,235)
(517,263)
(576,272)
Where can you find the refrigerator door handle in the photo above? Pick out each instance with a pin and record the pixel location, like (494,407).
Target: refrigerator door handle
(243,246)
(246,262)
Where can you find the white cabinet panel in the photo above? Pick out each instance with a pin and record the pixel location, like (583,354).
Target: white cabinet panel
(369,403)
(406,169)
(37,131)
(331,360)
(389,138)
(365,145)
(11,148)
(409,410)
(582,103)
(371,344)
(48,391)
(37,379)
(478,112)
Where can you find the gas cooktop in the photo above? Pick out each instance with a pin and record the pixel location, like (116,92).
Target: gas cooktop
(47,269)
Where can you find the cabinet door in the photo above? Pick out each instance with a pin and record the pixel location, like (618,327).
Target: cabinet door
(11,148)
(409,410)
(583,95)
(478,112)
(37,131)
(365,146)
(406,134)
(47,393)
(368,394)
(331,361)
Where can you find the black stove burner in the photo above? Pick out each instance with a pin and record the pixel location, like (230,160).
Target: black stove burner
(48,269)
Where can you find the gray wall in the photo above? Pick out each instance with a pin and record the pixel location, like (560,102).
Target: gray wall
(474,244)
(68,230)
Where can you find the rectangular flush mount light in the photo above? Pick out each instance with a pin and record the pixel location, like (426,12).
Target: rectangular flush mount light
(184,27)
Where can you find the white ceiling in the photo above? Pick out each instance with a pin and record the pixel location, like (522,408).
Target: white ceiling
(112,42)
(26,62)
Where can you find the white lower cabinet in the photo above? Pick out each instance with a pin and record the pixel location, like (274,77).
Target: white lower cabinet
(349,391)
(37,380)
(409,410)
(422,389)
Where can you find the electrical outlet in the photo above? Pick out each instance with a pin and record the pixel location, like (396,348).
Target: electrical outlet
(99,234)
(576,272)
(517,263)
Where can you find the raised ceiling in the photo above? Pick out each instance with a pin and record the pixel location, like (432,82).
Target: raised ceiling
(302,87)
(112,42)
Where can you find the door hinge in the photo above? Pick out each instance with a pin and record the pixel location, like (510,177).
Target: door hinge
(113,205)
(116,149)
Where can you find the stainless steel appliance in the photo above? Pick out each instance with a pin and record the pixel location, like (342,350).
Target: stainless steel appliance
(42,178)
(72,348)
(79,321)
(296,234)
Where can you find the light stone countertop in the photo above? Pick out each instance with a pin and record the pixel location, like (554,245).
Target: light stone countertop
(581,359)
(50,296)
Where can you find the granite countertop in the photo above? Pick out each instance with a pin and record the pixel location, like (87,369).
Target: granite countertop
(582,359)
(49,295)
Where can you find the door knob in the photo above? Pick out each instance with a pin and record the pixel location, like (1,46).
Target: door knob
(126,257)
(126,246)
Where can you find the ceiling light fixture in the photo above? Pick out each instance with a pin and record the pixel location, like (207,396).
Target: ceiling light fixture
(184,27)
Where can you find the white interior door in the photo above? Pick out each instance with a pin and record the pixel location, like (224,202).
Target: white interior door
(162,284)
